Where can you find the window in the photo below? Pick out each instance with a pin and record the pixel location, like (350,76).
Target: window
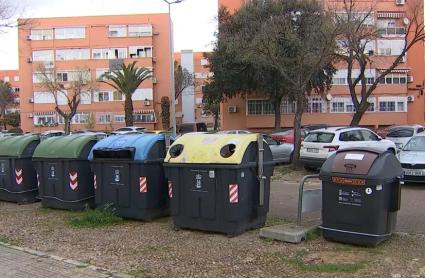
(288,106)
(16,78)
(81,117)
(85,98)
(16,89)
(41,34)
(345,105)
(104,118)
(394,78)
(118,96)
(392,104)
(352,135)
(369,135)
(117,31)
(388,27)
(100,74)
(367,18)
(140,51)
(315,105)
(142,94)
(337,106)
(73,54)
(109,53)
(390,47)
(45,120)
(103,96)
(204,62)
(62,76)
(70,33)
(144,117)
(6,79)
(43,97)
(139,30)
(42,55)
(319,137)
(119,118)
(260,107)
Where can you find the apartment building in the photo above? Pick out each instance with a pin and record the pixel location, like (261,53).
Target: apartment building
(12,77)
(398,99)
(97,44)
(189,108)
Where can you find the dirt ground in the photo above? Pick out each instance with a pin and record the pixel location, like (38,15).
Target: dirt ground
(154,249)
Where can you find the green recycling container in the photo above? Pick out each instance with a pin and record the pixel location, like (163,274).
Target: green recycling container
(214,182)
(63,170)
(18,180)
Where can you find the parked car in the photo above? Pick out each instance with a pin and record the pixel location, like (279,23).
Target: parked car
(321,143)
(191,127)
(412,159)
(400,135)
(129,129)
(282,153)
(287,136)
(51,133)
(234,131)
(98,134)
(383,131)
(312,127)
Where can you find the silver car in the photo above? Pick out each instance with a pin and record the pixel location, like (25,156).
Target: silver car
(400,135)
(282,153)
(412,159)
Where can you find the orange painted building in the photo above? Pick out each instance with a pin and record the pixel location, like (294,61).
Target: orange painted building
(12,77)
(96,43)
(189,108)
(398,100)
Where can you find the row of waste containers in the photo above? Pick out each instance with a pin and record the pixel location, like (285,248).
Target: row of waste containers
(209,182)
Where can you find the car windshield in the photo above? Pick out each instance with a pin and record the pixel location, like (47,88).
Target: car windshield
(286,132)
(416,144)
(319,137)
(401,132)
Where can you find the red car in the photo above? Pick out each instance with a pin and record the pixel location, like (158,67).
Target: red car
(287,136)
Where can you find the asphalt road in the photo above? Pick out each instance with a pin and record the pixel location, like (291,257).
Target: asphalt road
(411,217)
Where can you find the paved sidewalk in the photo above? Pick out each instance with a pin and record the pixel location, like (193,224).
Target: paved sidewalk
(21,264)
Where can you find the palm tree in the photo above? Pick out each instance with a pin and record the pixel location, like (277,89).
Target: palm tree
(126,79)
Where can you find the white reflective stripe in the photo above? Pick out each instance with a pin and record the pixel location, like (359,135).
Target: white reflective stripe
(350,232)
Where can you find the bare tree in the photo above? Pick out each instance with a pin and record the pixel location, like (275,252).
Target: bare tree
(67,94)
(183,79)
(357,37)
(8,13)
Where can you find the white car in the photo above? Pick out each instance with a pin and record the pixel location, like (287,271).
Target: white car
(128,129)
(320,144)
(400,135)
(234,131)
(412,159)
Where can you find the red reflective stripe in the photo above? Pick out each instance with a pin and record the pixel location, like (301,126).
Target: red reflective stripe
(73,180)
(18,176)
(170,189)
(143,184)
(233,193)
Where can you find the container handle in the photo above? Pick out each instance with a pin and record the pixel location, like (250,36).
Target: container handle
(261,176)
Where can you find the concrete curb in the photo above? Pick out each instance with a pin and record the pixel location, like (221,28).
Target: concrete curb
(109,273)
(288,232)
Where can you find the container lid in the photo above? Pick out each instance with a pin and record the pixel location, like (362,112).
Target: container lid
(142,144)
(16,145)
(210,148)
(356,162)
(70,146)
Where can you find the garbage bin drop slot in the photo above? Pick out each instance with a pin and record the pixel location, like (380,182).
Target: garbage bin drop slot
(176,150)
(228,150)
(124,153)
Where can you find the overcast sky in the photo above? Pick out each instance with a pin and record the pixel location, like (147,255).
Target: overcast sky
(194,20)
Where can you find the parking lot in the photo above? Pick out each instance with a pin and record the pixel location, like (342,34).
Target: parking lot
(284,199)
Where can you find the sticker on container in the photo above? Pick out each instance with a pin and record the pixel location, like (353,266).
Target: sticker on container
(198,183)
(354,156)
(242,174)
(368,191)
(211,174)
(379,187)
(209,140)
(119,143)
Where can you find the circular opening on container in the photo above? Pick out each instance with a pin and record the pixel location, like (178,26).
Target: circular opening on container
(228,150)
(176,150)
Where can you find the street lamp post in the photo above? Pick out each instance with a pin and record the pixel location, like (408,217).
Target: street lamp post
(172,92)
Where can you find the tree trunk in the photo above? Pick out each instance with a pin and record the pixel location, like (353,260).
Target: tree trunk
(128,110)
(358,115)
(297,131)
(4,120)
(216,114)
(277,114)
(67,127)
